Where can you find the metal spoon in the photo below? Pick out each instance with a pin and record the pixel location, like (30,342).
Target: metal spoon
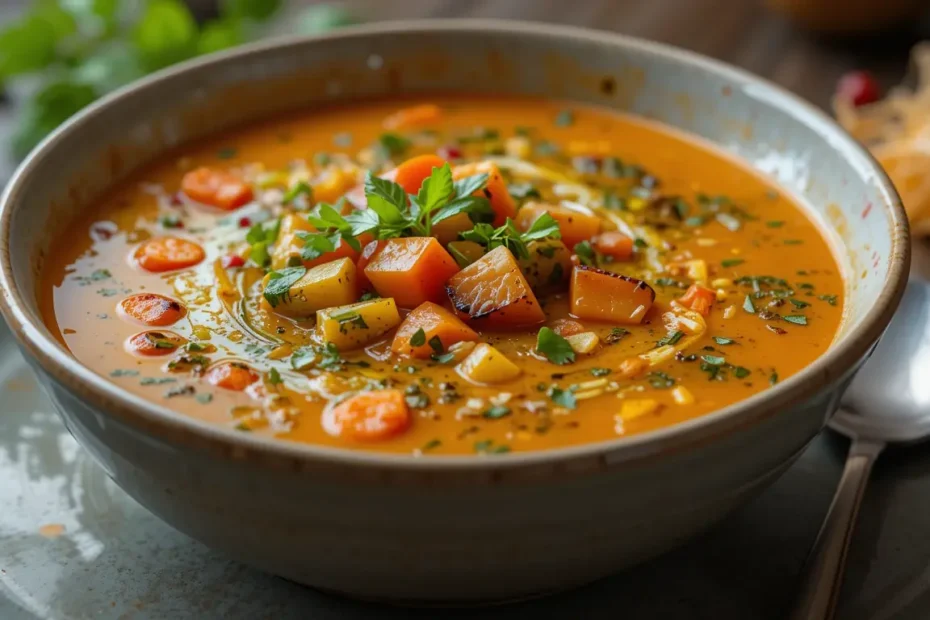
(888,402)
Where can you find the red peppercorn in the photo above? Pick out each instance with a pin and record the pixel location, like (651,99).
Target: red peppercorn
(858,87)
(449,152)
(233,260)
(244,222)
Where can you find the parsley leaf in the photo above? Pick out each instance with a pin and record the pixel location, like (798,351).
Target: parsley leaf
(723,341)
(544,227)
(418,339)
(671,339)
(274,377)
(495,412)
(556,348)
(563,398)
(797,319)
(585,253)
(280,283)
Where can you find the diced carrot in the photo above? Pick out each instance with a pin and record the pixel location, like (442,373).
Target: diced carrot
(369,416)
(414,116)
(633,367)
(566,327)
(436,322)
(495,191)
(495,291)
(154,343)
(411,270)
(411,173)
(699,299)
(216,188)
(614,244)
(160,254)
(574,225)
(234,376)
(152,309)
(604,296)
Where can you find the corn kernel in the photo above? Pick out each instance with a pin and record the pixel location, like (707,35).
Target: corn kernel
(637,407)
(722,283)
(200,332)
(280,352)
(636,204)
(721,294)
(585,342)
(682,395)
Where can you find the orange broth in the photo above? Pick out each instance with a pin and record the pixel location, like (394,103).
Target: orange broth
(775,289)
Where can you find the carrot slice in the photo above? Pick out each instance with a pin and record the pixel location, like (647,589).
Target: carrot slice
(604,296)
(216,188)
(495,191)
(411,173)
(699,299)
(160,254)
(234,376)
(414,116)
(152,309)
(411,270)
(574,225)
(369,416)
(494,290)
(566,327)
(154,343)
(435,322)
(614,244)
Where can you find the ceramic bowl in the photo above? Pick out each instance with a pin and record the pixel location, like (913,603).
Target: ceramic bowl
(452,529)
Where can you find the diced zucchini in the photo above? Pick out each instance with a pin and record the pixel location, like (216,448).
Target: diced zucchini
(357,325)
(549,265)
(324,286)
(485,365)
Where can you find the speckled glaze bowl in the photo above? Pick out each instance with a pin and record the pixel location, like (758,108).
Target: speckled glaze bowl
(452,529)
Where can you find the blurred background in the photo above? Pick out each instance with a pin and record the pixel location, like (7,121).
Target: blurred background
(56,56)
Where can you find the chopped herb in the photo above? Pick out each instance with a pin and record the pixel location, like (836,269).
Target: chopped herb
(170,221)
(616,335)
(107,292)
(774,224)
(195,347)
(556,348)
(226,153)
(544,148)
(368,296)
(204,398)
(565,118)
(443,358)
(156,380)
(496,412)
(349,318)
(585,253)
(695,220)
(773,378)
(671,282)
(417,400)
(274,377)
(830,299)
(431,445)
(797,319)
(671,339)
(279,284)
(640,243)
(119,372)
(301,188)
(304,358)
(563,398)
(732,262)
(797,303)
(806,286)
(600,372)
(740,372)
(723,341)
(418,339)
(392,144)
(713,360)
(748,305)
(660,380)
(435,343)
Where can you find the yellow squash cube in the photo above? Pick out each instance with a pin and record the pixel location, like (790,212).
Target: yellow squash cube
(357,325)
(324,286)
(487,365)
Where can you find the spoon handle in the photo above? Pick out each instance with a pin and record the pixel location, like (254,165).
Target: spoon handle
(823,572)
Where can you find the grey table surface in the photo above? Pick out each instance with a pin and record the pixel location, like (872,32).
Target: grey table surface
(73,546)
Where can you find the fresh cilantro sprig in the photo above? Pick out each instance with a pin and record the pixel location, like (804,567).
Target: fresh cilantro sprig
(260,237)
(509,235)
(556,348)
(279,284)
(332,229)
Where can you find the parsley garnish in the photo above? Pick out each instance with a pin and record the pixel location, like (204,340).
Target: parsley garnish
(616,335)
(274,377)
(556,348)
(797,319)
(418,339)
(301,188)
(600,372)
(279,284)
(259,237)
(563,398)
(672,338)
(740,372)
(496,412)
(392,144)
(748,305)
(585,253)
(797,303)
(713,360)
(723,341)
(830,299)
(509,236)
(775,224)
(732,262)
(430,445)
(435,343)
(565,118)
(660,380)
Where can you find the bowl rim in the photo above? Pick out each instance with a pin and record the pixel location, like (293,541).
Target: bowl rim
(177,428)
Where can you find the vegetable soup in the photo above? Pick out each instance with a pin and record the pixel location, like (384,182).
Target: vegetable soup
(457,276)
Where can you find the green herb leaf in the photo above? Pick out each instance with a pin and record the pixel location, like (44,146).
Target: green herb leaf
(301,188)
(586,254)
(495,412)
(436,189)
(748,305)
(660,380)
(435,343)
(773,378)
(713,360)
(556,348)
(600,372)
(393,144)
(732,262)
(830,299)
(797,303)
(544,227)
(774,224)
(418,339)
(563,398)
(166,33)
(671,339)
(797,319)
(723,341)
(740,372)
(616,335)
(280,283)
(274,377)
(565,118)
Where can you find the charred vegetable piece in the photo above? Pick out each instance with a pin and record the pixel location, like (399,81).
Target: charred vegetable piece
(216,188)
(152,309)
(495,191)
(604,296)
(430,330)
(234,376)
(494,292)
(369,416)
(323,286)
(160,254)
(574,225)
(412,270)
(486,365)
(549,265)
(357,325)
